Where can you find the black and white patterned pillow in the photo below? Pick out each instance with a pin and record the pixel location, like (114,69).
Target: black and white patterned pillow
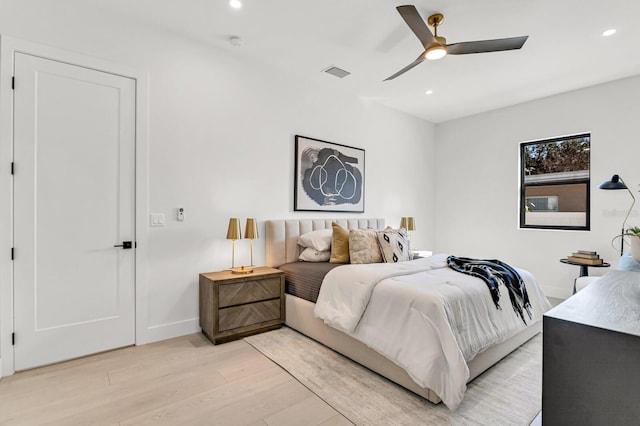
(394,245)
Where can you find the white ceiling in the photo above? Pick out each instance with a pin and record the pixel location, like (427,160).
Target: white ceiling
(300,38)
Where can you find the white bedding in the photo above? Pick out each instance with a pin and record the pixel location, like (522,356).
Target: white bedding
(424,316)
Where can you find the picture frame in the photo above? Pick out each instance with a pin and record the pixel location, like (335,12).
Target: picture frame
(329,177)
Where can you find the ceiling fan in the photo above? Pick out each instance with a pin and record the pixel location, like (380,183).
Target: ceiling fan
(435,47)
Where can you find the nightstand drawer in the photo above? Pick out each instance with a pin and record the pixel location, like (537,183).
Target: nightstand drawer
(253,313)
(248,291)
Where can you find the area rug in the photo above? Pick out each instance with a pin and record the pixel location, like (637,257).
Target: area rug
(509,393)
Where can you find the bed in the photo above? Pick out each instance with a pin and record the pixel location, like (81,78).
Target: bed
(282,249)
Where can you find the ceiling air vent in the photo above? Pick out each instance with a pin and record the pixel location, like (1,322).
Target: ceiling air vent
(337,72)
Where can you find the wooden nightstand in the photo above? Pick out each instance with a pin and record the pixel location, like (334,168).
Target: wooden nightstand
(233,306)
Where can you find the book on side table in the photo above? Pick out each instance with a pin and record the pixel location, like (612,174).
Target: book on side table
(585,257)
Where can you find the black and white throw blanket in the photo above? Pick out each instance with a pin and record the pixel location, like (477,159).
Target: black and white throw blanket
(493,272)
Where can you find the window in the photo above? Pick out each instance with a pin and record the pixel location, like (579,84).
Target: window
(554,183)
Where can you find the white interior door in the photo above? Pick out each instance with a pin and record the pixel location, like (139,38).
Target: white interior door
(74,155)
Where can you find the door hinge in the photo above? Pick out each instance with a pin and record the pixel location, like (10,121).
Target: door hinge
(11,253)
(13,83)
(13,339)
(12,167)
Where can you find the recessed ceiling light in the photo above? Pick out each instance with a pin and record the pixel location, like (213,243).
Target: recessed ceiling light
(610,32)
(236,4)
(428,92)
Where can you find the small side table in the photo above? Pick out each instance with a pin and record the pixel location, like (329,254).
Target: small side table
(234,306)
(584,269)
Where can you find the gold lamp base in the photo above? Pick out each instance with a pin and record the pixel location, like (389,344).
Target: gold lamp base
(242,270)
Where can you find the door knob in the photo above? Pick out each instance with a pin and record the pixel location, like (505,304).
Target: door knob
(125,245)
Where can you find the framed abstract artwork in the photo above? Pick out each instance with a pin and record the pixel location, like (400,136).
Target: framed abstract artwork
(329,177)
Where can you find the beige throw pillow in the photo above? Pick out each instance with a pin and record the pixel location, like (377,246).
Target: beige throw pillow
(363,246)
(339,244)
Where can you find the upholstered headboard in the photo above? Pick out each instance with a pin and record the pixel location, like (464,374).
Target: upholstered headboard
(282,235)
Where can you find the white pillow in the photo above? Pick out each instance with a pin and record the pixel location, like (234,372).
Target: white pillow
(312,255)
(319,239)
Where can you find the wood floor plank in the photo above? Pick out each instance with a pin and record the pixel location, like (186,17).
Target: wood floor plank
(117,407)
(207,405)
(338,420)
(110,402)
(310,411)
(86,393)
(186,380)
(262,403)
(158,365)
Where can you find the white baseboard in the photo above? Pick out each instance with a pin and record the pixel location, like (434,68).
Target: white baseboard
(168,331)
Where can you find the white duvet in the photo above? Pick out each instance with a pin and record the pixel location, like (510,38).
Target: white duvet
(424,316)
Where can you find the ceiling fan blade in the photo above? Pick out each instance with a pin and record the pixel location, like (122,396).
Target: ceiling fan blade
(416,23)
(483,46)
(418,61)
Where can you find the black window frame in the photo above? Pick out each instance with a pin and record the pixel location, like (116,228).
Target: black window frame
(586,181)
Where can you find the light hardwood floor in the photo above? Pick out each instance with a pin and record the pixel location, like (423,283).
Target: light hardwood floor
(182,381)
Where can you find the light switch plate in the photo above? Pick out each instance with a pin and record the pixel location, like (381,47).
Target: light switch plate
(157,219)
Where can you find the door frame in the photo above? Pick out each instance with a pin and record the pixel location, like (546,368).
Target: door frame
(8,47)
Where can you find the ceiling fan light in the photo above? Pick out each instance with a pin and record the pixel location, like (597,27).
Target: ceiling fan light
(436,52)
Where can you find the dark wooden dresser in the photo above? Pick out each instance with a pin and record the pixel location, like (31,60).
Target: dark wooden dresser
(591,355)
(233,306)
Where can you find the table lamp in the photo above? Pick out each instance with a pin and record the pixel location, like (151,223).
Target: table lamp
(251,233)
(411,224)
(408,223)
(234,233)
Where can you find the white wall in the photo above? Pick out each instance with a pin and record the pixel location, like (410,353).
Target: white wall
(478,177)
(221,144)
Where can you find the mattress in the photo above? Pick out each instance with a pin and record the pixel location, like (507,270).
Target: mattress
(303,279)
